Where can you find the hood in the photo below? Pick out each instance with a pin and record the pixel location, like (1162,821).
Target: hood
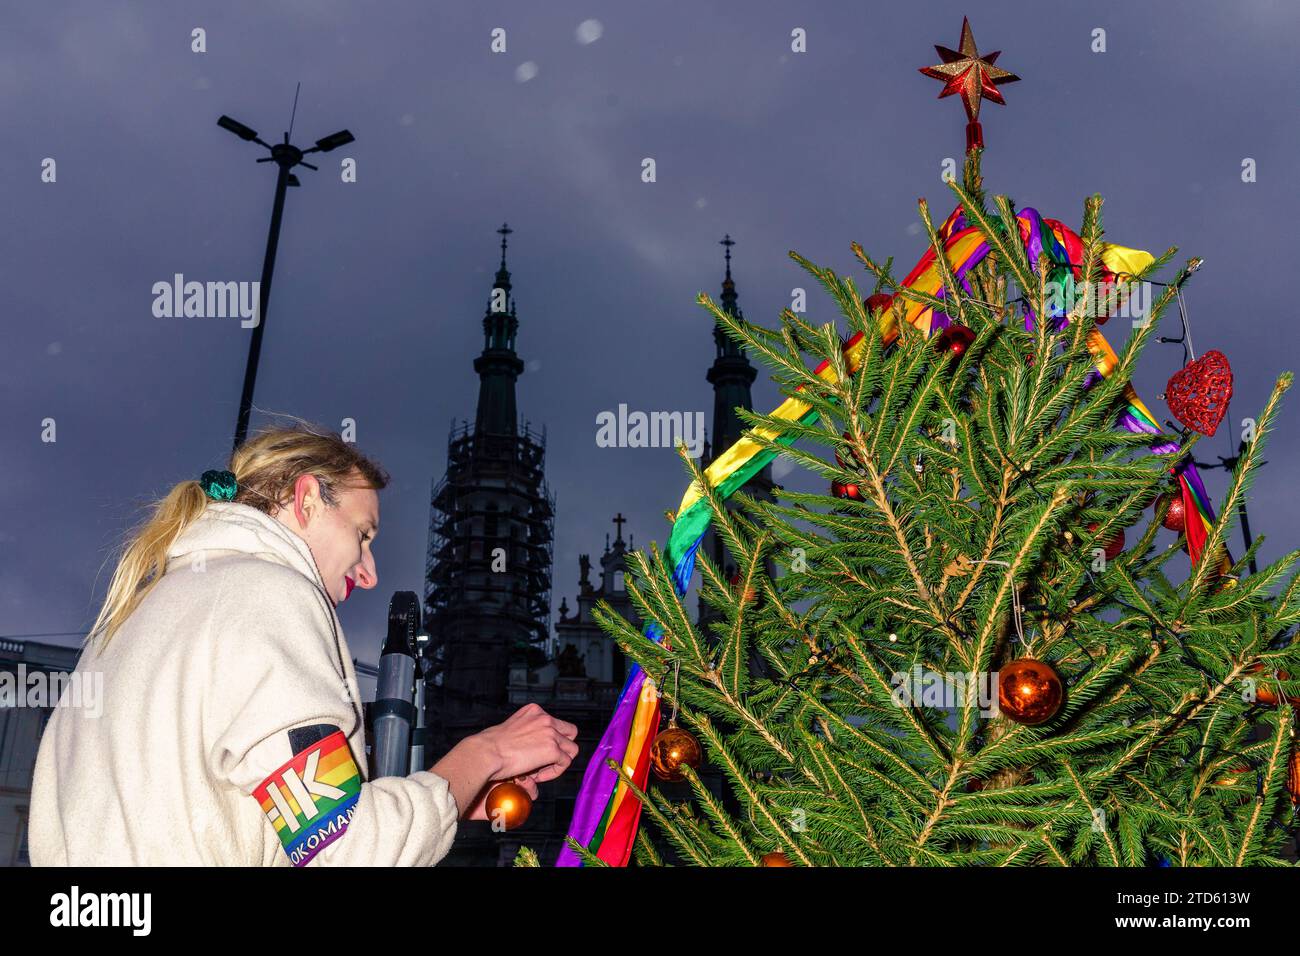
(227,526)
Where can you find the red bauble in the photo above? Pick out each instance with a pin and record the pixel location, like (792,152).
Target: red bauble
(776,859)
(880,302)
(847,489)
(1293,778)
(1115,546)
(1029,692)
(1198,394)
(850,491)
(510,803)
(1176,517)
(955,339)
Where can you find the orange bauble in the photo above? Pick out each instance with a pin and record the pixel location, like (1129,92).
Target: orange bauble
(672,748)
(1264,694)
(1293,778)
(1233,774)
(776,859)
(1029,691)
(509,803)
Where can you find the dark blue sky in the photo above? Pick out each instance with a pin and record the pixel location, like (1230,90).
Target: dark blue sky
(381,285)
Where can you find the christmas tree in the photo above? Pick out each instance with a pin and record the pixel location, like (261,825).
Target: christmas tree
(975,652)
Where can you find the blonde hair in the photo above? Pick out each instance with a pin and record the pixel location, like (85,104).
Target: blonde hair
(266,467)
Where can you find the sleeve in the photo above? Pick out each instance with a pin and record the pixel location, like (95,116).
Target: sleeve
(282,713)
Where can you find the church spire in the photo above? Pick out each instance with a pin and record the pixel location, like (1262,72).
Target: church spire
(731,375)
(503,274)
(498,366)
(729,284)
(729,305)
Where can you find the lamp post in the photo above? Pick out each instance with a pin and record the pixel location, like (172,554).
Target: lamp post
(286,156)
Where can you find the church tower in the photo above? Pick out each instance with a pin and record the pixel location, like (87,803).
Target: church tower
(731,376)
(488,578)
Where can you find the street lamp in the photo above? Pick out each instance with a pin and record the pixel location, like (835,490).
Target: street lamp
(286,156)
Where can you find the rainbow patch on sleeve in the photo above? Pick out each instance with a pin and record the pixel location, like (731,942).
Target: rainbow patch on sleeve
(310,800)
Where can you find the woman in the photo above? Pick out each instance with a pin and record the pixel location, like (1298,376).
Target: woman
(231,729)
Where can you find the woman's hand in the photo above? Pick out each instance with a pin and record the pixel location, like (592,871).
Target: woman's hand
(529,747)
(530,741)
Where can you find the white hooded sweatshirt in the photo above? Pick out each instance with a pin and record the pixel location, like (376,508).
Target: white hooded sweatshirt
(230,729)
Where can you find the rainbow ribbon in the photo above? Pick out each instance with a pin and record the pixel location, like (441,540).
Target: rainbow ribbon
(606,813)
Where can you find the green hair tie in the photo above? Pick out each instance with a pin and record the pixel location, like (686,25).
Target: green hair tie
(219,485)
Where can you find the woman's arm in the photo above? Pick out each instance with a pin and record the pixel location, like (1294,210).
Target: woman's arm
(467,768)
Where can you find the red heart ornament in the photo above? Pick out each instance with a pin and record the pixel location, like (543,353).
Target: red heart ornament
(1198,394)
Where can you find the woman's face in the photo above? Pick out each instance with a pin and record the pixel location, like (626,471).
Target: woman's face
(339,537)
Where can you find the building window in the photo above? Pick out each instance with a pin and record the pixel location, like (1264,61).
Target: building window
(618,580)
